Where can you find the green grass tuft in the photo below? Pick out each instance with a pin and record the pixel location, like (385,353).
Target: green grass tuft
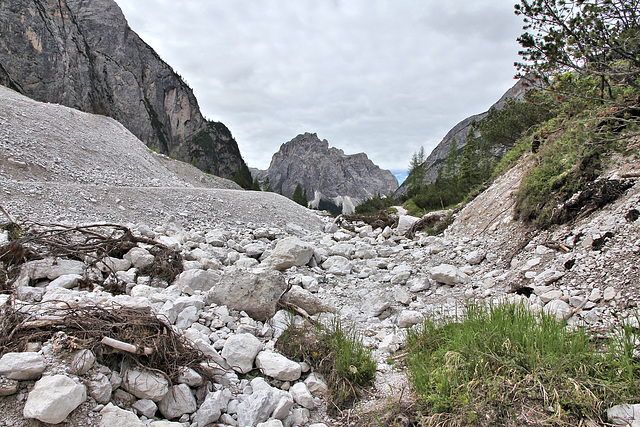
(336,353)
(506,363)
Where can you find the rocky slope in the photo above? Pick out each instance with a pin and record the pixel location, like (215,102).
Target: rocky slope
(59,164)
(82,54)
(327,173)
(459,134)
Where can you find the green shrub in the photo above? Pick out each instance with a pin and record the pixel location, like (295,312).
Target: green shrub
(336,353)
(504,361)
(374,205)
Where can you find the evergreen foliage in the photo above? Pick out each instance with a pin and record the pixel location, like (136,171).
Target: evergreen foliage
(243,178)
(300,196)
(267,186)
(374,205)
(256,185)
(465,170)
(588,55)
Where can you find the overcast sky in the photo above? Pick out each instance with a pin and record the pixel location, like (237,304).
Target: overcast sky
(382,77)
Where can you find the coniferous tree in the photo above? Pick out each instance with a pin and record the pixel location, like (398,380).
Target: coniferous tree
(256,185)
(243,178)
(267,185)
(298,196)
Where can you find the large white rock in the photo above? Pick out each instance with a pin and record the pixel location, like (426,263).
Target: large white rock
(255,292)
(304,299)
(277,366)
(197,280)
(448,274)
(240,351)
(290,252)
(139,257)
(22,366)
(316,384)
(82,361)
(475,257)
(177,402)
(67,281)
(213,406)
(405,222)
(145,407)
(625,415)
(302,395)
(256,408)
(190,377)
(100,388)
(112,416)
(108,264)
(145,384)
(53,398)
(408,318)
(558,308)
(49,268)
(284,406)
(400,274)
(338,265)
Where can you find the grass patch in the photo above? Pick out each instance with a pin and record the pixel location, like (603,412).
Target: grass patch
(504,365)
(334,352)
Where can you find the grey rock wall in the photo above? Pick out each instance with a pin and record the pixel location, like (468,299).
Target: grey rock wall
(82,54)
(327,173)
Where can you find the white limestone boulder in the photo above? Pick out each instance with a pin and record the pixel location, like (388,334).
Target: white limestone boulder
(22,366)
(139,257)
(53,398)
(448,274)
(289,252)
(213,406)
(405,222)
(408,318)
(240,352)
(338,265)
(145,384)
(197,280)
(304,299)
(255,292)
(277,366)
(112,416)
(302,395)
(177,402)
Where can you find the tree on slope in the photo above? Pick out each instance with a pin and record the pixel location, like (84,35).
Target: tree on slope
(594,41)
(299,196)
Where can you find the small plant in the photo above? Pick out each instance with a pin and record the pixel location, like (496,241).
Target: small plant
(505,363)
(336,353)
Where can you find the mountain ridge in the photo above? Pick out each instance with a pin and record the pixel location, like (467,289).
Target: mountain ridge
(458,133)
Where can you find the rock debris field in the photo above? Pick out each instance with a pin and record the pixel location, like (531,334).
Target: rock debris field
(244,255)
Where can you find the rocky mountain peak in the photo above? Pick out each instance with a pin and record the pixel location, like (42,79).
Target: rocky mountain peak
(331,178)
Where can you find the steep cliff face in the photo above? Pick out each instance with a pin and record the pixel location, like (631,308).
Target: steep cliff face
(82,54)
(459,134)
(326,173)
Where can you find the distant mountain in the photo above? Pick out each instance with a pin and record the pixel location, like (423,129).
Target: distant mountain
(330,177)
(82,54)
(459,134)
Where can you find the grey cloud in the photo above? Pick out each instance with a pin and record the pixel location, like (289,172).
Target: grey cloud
(364,74)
